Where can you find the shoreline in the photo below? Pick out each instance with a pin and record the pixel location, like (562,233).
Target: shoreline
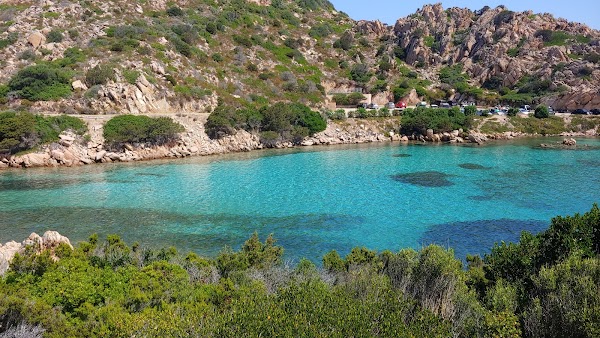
(68,152)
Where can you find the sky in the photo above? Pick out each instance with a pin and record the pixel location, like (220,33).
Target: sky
(388,11)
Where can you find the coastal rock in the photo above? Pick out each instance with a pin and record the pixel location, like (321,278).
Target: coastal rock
(7,252)
(48,242)
(569,142)
(35,159)
(477,138)
(100,155)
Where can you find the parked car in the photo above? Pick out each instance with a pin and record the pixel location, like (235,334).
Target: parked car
(390,105)
(433,106)
(445,105)
(401,104)
(362,105)
(372,106)
(595,111)
(422,104)
(580,112)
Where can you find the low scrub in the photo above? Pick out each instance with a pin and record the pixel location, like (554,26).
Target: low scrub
(41,82)
(440,120)
(289,121)
(546,285)
(23,131)
(141,129)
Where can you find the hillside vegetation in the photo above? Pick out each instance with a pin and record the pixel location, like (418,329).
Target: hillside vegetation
(188,56)
(547,285)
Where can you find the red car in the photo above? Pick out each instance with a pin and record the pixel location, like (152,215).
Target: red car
(400,104)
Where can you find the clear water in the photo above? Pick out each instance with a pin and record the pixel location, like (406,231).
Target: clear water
(312,199)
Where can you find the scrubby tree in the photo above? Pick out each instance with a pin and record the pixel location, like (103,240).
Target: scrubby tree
(41,83)
(541,112)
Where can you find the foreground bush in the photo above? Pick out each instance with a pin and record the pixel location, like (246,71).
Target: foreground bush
(22,131)
(141,129)
(546,285)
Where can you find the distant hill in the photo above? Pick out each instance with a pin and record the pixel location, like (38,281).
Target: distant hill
(190,55)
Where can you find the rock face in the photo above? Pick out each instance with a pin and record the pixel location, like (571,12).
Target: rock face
(48,242)
(499,47)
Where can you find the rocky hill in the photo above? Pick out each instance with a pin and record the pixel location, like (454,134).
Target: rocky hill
(187,56)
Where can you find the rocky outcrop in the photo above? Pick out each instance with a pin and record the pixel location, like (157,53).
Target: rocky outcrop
(500,47)
(48,242)
(373,29)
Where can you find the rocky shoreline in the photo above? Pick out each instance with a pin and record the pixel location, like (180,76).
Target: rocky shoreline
(72,150)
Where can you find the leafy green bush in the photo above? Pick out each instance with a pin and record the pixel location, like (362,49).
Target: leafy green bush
(440,120)
(553,38)
(351,99)
(289,121)
(320,30)
(22,131)
(12,38)
(54,35)
(131,75)
(452,75)
(345,42)
(360,73)
(99,75)
(175,11)
(41,83)
(141,129)
(470,110)
(541,112)
(338,114)
(512,111)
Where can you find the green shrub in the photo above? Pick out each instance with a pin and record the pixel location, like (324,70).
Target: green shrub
(470,110)
(512,111)
(175,11)
(320,30)
(346,41)
(41,83)
(12,38)
(541,112)
(348,99)
(22,131)
(338,114)
(54,35)
(440,120)
(99,75)
(141,129)
(242,40)
(360,73)
(291,122)
(74,55)
(131,75)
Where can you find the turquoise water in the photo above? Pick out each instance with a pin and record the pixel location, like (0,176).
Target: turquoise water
(313,199)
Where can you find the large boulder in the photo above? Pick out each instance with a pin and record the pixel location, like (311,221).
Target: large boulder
(36,39)
(48,242)
(7,252)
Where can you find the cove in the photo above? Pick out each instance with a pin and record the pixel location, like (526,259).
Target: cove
(312,199)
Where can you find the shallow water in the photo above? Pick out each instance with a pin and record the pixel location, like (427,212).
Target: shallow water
(312,199)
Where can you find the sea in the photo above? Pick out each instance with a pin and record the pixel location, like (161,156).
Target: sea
(313,200)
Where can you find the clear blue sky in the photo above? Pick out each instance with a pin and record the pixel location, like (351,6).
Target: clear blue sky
(388,11)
